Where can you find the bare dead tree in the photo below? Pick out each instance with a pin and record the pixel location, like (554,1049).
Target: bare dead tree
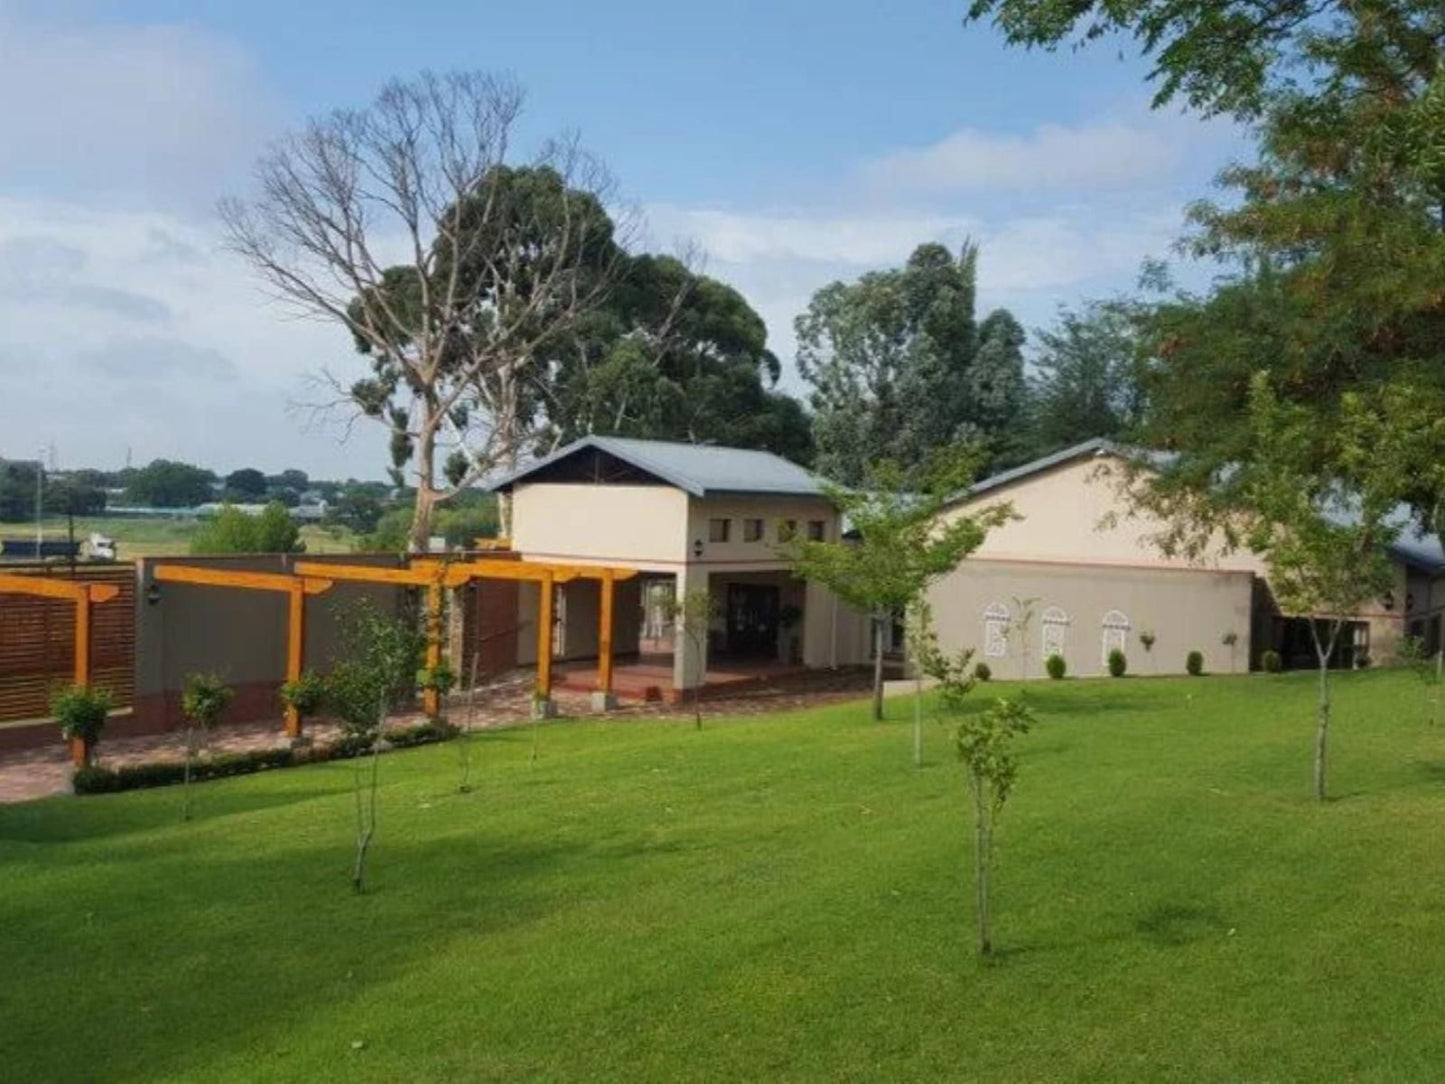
(453,270)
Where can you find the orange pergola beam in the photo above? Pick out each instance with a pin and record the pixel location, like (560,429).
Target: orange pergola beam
(547,575)
(296,588)
(84,595)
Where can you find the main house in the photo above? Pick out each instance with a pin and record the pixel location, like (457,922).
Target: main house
(1076,574)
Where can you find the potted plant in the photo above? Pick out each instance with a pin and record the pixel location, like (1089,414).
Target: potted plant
(203,699)
(306,695)
(81,712)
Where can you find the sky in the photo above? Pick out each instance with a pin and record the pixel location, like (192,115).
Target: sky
(793,142)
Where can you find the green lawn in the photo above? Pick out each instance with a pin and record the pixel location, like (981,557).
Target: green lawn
(775,898)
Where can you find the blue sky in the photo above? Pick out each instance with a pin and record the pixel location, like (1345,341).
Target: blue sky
(794,142)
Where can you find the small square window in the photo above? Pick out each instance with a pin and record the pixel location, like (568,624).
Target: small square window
(787,530)
(752,530)
(718,530)
(816,530)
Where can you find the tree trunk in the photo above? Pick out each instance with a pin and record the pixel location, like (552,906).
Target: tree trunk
(878,669)
(186,774)
(1322,717)
(981,848)
(426,497)
(917,715)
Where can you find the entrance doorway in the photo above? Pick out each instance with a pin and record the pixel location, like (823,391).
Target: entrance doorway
(752,620)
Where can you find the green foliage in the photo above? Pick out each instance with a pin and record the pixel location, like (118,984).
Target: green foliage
(392,533)
(1270,661)
(1148,639)
(72,497)
(203,698)
(985,745)
(81,711)
(440,677)
(692,615)
(1056,667)
(381,655)
(1194,663)
(982,671)
(1118,663)
(232,530)
(1087,378)
(899,366)
(17,490)
(167,484)
(246,485)
(307,694)
(673,355)
(462,524)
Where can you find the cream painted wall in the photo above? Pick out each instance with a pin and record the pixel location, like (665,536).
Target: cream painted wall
(771,510)
(643,526)
(1186,610)
(1075,515)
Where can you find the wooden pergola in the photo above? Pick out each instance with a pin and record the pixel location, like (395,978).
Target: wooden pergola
(547,575)
(83,595)
(295,588)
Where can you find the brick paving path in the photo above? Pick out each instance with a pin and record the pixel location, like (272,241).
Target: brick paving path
(36,773)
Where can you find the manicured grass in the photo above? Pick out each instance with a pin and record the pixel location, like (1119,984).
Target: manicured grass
(775,898)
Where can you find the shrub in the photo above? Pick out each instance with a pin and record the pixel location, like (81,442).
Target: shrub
(306,694)
(203,699)
(1194,663)
(981,672)
(1056,666)
(97,780)
(440,677)
(1271,662)
(1118,664)
(81,712)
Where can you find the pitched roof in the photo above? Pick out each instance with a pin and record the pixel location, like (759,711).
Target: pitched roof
(700,469)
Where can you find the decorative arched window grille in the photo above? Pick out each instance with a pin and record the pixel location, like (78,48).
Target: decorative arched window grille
(1116,633)
(1055,624)
(995,630)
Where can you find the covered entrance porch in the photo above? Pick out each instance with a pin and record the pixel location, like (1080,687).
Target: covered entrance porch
(752,632)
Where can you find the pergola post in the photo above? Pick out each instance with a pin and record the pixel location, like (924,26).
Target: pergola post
(431,700)
(602,699)
(82,640)
(294,587)
(542,705)
(295,648)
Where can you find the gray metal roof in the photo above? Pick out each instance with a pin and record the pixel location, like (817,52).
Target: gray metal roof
(700,469)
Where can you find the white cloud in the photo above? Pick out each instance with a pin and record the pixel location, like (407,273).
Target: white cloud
(1052,156)
(209,377)
(164,115)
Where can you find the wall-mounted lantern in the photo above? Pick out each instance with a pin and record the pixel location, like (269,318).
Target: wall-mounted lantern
(153,594)
(697,547)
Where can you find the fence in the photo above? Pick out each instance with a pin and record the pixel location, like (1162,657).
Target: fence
(37,641)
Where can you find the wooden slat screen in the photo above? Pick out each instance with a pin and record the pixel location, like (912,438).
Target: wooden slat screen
(37,641)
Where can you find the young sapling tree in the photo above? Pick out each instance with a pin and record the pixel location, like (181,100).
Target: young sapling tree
(692,615)
(378,673)
(922,647)
(910,528)
(1019,628)
(984,743)
(1427,666)
(203,699)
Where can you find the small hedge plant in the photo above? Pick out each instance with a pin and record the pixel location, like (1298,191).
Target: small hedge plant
(1118,664)
(1056,666)
(97,780)
(981,672)
(1270,662)
(306,695)
(1194,663)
